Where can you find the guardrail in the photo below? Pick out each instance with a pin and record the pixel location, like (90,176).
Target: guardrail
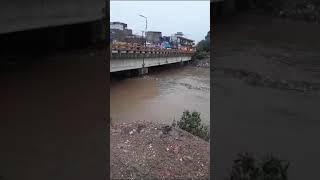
(145,52)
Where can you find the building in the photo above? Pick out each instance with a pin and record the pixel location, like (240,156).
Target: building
(128,31)
(182,41)
(117,35)
(153,37)
(179,34)
(118,25)
(119,31)
(135,39)
(178,41)
(165,39)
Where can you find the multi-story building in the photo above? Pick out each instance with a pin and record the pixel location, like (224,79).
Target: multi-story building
(178,41)
(119,31)
(135,39)
(118,25)
(153,37)
(165,39)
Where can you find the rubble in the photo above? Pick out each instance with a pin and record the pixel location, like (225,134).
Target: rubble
(204,63)
(144,154)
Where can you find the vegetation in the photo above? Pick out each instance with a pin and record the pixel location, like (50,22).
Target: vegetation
(191,122)
(245,167)
(203,48)
(200,55)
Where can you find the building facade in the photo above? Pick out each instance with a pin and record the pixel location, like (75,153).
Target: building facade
(135,39)
(153,37)
(119,31)
(118,25)
(178,41)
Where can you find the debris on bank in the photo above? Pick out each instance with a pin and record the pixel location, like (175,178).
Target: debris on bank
(156,151)
(204,63)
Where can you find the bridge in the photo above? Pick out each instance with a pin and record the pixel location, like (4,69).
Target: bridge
(140,58)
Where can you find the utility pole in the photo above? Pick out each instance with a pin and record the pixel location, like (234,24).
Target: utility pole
(145,28)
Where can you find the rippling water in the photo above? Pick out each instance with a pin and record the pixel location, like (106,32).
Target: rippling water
(163,96)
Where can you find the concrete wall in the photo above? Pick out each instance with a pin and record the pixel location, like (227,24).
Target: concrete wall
(17,15)
(128,64)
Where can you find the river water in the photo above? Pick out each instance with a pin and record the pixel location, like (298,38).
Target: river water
(162,96)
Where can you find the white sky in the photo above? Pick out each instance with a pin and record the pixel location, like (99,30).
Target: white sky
(190,17)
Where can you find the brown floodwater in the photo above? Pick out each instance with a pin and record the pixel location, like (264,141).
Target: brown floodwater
(161,96)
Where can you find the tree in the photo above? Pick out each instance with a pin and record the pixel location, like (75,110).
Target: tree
(203,45)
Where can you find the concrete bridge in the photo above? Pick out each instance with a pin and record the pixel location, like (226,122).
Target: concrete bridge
(142,60)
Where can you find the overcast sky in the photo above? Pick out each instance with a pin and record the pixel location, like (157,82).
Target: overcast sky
(190,17)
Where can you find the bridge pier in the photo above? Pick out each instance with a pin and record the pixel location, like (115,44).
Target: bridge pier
(143,71)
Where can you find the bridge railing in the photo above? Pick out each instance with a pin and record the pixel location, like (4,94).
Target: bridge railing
(132,50)
(119,52)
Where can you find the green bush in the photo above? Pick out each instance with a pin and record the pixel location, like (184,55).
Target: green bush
(191,122)
(200,55)
(246,167)
(203,45)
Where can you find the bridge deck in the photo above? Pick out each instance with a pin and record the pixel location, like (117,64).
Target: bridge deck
(128,58)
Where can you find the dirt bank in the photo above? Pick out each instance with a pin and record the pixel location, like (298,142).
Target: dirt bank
(155,151)
(205,63)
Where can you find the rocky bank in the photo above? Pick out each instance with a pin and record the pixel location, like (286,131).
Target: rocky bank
(144,150)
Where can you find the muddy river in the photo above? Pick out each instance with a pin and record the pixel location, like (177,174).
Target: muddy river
(161,96)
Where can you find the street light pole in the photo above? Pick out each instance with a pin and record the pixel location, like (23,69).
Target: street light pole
(145,28)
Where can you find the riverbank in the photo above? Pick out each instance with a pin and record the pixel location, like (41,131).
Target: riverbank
(156,151)
(266,92)
(205,63)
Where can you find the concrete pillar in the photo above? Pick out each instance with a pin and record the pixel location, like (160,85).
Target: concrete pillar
(143,71)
